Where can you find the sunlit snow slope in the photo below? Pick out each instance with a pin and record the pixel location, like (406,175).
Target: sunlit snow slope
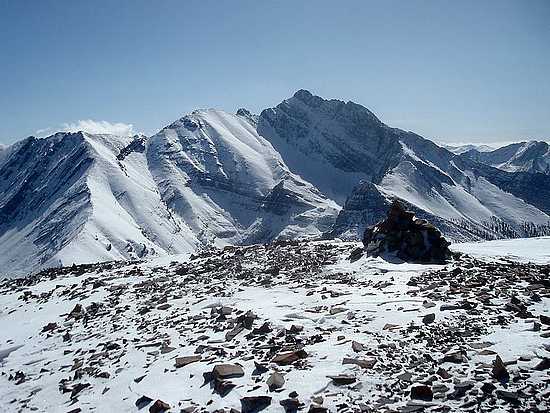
(307,168)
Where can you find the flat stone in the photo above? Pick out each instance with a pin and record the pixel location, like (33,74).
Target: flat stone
(290,357)
(185,360)
(227,371)
(143,401)
(342,379)
(364,364)
(254,404)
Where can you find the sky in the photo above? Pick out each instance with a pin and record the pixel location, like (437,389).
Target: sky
(452,71)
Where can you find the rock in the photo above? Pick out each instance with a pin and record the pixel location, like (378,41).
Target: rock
(337,310)
(355,254)
(544,364)
(460,390)
(275,381)
(291,405)
(49,327)
(428,318)
(295,329)
(509,396)
(406,376)
(263,329)
(499,371)
(184,361)
(165,306)
(290,357)
(139,379)
(254,404)
(488,388)
(409,238)
(223,387)
(342,379)
(451,307)
(454,357)
(357,347)
(259,369)
(315,408)
(364,364)
(545,319)
(78,388)
(230,335)
(142,402)
(227,371)
(422,392)
(76,312)
(444,374)
(159,407)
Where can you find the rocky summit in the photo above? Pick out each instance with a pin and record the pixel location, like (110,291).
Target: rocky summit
(286,326)
(409,238)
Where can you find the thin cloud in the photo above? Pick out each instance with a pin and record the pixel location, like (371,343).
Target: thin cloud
(100,127)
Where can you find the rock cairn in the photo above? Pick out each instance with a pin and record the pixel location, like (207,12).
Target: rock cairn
(410,238)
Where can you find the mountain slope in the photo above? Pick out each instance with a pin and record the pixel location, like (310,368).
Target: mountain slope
(206,178)
(67,198)
(530,156)
(343,148)
(230,185)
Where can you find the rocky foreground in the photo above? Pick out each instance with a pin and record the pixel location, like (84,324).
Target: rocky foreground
(282,327)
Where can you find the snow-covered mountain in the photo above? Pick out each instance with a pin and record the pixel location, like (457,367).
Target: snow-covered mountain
(532,156)
(459,149)
(67,198)
(230,185)
(308,167)
(206,178)
(346,151)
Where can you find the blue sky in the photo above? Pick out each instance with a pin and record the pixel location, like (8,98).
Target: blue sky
(453,71)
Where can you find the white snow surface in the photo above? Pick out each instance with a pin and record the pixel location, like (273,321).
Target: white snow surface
(535,250)
(23,347)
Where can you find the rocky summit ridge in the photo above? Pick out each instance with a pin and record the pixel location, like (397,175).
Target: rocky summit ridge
(286,326)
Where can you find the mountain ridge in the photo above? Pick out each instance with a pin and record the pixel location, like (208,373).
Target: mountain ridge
(306,168)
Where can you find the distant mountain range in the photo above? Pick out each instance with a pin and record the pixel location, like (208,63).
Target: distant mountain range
(308,167)
(530,156)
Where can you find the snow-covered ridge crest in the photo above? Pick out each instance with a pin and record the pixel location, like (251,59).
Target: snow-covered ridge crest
(307,168)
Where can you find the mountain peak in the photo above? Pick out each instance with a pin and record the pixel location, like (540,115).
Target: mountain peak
(303,95)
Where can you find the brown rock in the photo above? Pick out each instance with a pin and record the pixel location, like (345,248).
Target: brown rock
(342,379)
(227,371)
(290,357)
(159,407)
(254,404)
(364,364)
(184,361)
(422,392)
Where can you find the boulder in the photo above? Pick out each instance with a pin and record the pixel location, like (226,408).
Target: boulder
(409,238)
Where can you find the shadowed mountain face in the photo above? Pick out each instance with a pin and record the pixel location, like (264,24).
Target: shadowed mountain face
(308,167)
